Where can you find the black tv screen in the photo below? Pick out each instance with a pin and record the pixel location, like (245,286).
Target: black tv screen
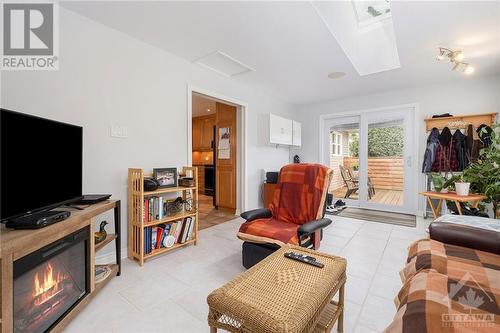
(40,163)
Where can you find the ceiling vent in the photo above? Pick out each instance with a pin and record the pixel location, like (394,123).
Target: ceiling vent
(223,64)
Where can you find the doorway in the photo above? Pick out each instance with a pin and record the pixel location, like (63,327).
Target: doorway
(214,150)
(370,154)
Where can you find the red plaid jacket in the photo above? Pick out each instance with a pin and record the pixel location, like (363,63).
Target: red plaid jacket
(446,158)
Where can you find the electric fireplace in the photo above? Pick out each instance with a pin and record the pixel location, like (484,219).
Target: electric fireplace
(50,282)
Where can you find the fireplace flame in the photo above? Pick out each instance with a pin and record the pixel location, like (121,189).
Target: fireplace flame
(48,285)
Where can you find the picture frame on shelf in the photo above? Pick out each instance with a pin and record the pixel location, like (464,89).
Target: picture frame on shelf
(166,177)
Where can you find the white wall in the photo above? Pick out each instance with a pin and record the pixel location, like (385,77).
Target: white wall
(107,77)
(466,95)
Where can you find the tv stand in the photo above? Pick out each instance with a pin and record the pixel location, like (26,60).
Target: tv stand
(15,244)
(38,220)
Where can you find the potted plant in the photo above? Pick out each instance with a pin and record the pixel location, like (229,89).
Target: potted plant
(439,182)
(484,174)
(461,187)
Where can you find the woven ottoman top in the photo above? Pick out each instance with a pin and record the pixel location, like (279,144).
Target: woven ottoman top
(279,294)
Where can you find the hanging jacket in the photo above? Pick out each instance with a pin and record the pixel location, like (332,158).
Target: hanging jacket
(469,143)
(474,144)
(446,159)
(430,150)
(460,150)
(485,135)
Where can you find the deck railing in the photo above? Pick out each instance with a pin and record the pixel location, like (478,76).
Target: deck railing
(385,173)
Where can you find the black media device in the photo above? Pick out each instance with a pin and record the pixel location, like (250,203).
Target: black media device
(37,220)
(90,199)
(272,177)
(41,168)
(305,259)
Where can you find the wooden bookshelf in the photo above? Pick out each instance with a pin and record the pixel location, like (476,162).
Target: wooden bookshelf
(136,207)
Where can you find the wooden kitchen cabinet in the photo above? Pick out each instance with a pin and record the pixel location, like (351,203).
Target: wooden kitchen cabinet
(207,133)
(196,133)
(201,179)
(203,132)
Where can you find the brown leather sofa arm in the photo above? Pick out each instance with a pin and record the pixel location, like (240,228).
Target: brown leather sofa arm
(462,235)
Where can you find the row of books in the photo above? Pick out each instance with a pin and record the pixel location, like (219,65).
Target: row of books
(154,209)
(180,231)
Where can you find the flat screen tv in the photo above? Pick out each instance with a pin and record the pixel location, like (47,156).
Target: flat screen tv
(40,164)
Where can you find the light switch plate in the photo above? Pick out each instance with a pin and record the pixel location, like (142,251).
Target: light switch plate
(119,131)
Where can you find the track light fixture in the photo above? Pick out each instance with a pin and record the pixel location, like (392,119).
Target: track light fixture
(455,58)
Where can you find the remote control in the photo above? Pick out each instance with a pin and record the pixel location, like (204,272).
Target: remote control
(305,259)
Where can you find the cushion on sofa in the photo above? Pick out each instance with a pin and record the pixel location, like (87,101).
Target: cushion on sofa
(452,260)
(434,302)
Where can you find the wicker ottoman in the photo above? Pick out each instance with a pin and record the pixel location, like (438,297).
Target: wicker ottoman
(282,295)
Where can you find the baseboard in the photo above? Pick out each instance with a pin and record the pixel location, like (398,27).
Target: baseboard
(110,257)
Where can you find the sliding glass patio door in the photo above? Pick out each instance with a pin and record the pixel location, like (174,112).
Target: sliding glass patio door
(370,155)
(342,155)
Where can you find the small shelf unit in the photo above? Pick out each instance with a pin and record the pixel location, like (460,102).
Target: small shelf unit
(136,197)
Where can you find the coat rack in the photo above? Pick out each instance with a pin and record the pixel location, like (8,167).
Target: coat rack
(461,122)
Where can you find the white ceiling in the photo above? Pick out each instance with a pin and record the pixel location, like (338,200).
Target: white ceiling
(202,106)
(292,50)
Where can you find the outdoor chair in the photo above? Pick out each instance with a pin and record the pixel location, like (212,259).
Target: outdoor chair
(350,183)
(371,188)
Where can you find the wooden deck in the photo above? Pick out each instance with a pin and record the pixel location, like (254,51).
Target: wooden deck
(382,196)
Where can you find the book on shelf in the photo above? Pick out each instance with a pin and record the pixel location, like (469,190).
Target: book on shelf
(159,237)
(185,229)
(181,230)
(153,209)
(191,228)
(178,230)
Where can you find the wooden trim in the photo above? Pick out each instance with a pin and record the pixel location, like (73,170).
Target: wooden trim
(475,119)
(91,249)
(7,293)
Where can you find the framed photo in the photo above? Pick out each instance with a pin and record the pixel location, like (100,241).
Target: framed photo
(166,177)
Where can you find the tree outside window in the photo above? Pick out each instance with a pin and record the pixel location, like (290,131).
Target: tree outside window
(382,142)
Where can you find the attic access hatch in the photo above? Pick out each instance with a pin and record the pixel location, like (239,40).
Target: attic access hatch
(223,64)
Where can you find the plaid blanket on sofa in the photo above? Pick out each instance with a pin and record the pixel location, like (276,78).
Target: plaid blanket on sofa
(454,261)
(434,302)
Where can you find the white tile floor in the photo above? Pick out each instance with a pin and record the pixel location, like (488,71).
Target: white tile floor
(169,293)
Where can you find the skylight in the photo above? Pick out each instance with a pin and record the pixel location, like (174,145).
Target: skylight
(368,12)
(365,32)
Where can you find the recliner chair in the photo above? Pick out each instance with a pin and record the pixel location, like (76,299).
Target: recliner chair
(295,216)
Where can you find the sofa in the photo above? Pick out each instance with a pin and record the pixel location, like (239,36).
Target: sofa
(451,281)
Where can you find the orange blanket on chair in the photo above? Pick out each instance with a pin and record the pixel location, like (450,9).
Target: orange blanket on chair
(299,198)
